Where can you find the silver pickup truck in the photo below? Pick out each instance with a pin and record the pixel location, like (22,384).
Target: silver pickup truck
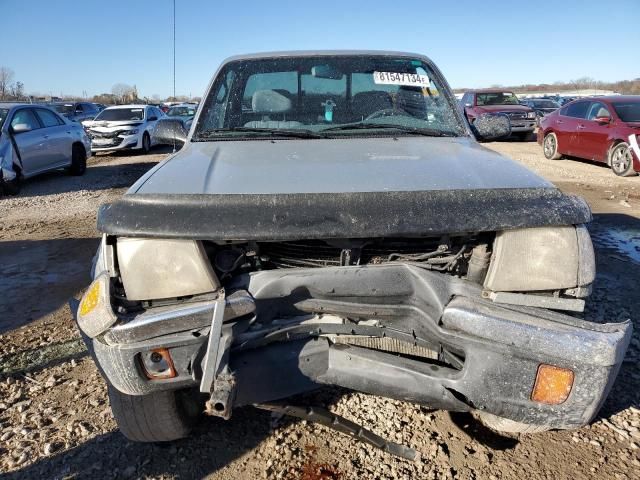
(332,220)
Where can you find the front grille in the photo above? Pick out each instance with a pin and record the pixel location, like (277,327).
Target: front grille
(516,115)
(321,254)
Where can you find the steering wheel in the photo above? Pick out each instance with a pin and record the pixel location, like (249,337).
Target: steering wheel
(386,112)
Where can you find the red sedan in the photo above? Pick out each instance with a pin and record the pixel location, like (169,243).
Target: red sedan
(604,129)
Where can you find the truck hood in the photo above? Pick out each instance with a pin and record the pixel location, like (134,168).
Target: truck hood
(335,166)
(351,188)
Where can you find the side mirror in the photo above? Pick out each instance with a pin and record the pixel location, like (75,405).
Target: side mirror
(491,126)
(20,128)
(152,119)
(603,120)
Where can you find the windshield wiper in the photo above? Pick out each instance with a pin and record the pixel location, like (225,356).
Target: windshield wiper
(272,132)
(372,125)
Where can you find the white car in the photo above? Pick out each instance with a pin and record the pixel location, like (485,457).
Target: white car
(123,127)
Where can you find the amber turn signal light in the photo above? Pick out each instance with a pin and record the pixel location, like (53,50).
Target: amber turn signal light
(157,364)
(553,384)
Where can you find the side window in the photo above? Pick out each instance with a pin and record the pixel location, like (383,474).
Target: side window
(79,108)
(48,118)
(598,109)
(26,117)
(221,102)
(578,110)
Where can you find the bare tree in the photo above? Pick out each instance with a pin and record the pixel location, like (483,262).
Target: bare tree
(122,91)
(17,90)
(6,77)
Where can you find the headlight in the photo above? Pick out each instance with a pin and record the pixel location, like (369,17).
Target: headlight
(163,268)
(531,115)
(124,133)
(538,259)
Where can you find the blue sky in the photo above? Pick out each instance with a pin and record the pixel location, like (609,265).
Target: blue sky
(71,46)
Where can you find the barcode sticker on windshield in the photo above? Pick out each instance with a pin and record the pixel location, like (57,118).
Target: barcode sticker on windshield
(406,79)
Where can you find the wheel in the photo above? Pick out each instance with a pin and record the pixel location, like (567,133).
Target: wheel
(505,425)
(550,147)
(156,417)
(78,160)
(146,143)
(10,187)
(621,160)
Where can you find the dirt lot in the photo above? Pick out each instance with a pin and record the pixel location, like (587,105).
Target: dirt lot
(55,420)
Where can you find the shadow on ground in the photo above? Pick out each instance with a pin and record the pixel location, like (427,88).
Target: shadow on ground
(96,177)
(39,276)
(214,444)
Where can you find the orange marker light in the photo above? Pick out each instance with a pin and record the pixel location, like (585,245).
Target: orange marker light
(553,384)
(158,364)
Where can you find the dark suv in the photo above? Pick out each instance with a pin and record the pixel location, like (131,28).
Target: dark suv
(76,111)
(493,101)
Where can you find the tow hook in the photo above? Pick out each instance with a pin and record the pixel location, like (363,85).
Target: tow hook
(342,425)
(221,400)
(217,380)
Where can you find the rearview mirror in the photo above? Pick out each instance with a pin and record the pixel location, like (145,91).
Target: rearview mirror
(603,120)
(491,126)
(326,71)
(20,128)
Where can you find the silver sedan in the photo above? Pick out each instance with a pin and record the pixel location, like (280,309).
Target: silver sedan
(35,139)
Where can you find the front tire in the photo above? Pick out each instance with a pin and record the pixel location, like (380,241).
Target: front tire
(550,147)
(146,143)
(621,160)
(10,187)
(156,417)
(78,160)
(504,425)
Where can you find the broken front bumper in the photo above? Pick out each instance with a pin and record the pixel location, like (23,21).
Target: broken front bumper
(289,337)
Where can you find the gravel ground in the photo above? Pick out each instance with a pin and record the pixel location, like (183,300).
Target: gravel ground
(55,420)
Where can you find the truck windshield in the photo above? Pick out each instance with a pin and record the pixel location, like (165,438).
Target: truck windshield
(319,96)
(121,114)
(628,111)
(497,98)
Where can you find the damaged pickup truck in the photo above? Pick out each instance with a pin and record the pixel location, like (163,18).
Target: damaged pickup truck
(333,221)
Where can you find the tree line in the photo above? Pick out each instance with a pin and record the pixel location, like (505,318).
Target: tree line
(624,87)
(121,93)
